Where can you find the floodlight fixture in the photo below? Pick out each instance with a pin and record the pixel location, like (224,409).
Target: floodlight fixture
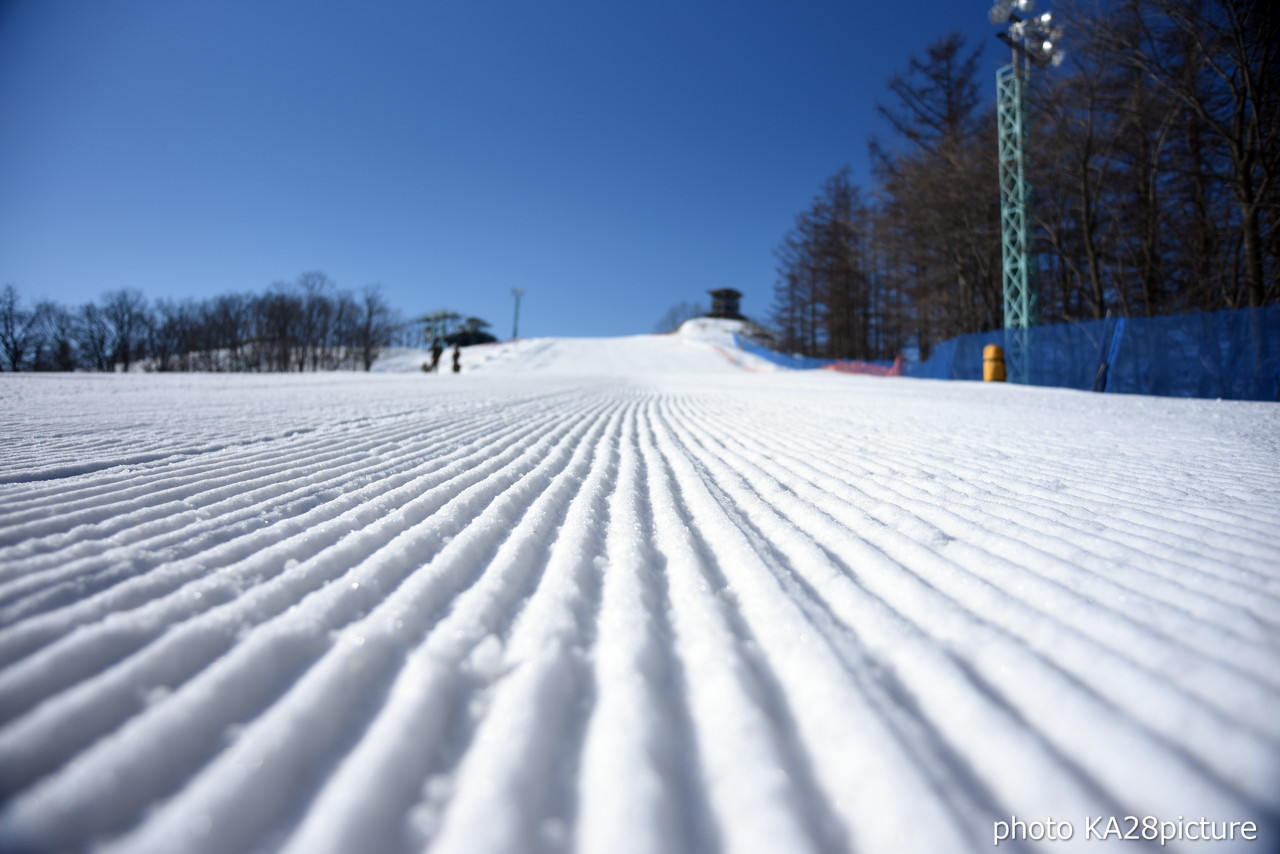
(1033,39)
(1004,10)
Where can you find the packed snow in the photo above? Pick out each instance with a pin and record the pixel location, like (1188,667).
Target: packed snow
(647,594)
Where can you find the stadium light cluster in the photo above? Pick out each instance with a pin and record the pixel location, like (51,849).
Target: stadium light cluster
(1033,36)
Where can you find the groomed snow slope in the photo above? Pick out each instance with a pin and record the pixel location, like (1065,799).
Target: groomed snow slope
(581,599)
(701,347)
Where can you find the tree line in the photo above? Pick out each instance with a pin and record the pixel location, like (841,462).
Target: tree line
(305,325)
(1153,155)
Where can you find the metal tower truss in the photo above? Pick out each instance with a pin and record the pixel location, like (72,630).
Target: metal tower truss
(1018,270)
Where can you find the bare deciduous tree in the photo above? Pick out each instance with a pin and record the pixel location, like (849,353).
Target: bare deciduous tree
(376,324)
(18,329)
(678,314)
(125,313)
(1221,60)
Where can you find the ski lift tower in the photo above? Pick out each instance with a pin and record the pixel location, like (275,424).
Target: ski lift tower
(1033,40)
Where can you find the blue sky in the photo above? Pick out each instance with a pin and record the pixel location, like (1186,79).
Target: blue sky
(611,158)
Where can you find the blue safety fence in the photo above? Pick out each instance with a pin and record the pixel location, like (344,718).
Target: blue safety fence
(1233,355)
(790,360)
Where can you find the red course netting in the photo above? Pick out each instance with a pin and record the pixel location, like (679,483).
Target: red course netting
(869,368)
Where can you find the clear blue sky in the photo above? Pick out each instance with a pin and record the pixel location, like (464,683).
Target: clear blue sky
(611,158)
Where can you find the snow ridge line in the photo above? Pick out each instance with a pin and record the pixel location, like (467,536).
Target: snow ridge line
(191,476)
(1062,646)
(873,785)
(639,722)
(238,507)
(160,667)
(964,489)
(676,614)
(897,509)
(353,810)
(131,751)
(741,712)
(259,554)
(298,733)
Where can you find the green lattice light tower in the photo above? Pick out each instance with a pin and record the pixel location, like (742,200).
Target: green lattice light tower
(1017,270)
(1032,41)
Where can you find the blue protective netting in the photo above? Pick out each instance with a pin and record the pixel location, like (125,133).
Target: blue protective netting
(1233,355)
(791,360)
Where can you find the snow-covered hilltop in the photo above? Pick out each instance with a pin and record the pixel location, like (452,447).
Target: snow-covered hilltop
(625,595)
(701,346)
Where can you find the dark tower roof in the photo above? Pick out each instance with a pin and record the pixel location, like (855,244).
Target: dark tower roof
(724,304)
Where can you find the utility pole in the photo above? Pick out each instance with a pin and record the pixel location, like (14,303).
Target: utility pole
(515,323)
(1032,40)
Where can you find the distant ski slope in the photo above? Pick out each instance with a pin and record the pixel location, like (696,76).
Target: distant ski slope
(700,347)
(537,607)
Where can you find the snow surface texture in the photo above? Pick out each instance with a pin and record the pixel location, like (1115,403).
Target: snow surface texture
(641,595)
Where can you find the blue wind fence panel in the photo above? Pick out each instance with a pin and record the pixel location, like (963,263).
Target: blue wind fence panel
(786,360)
(1228,354)
(957,358)
(1071,355)
(1233,355)
(1067,355)
(792,361)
